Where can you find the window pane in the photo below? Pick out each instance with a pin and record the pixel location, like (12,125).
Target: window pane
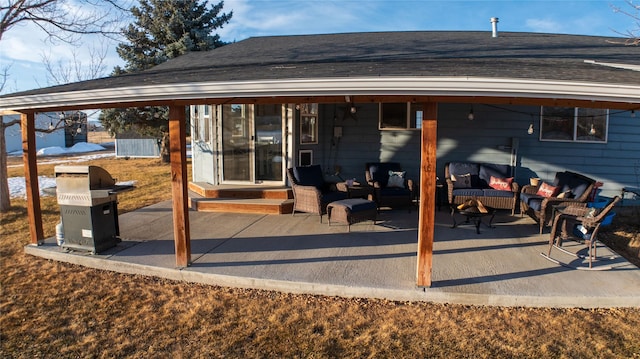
(309,123)
(235,143)
(592,125)
(557,123)
(268,143)
(415,121)
(393,115)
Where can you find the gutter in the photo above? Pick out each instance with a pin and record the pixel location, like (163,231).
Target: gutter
(462,86)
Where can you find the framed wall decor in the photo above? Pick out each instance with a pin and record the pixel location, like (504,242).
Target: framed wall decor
(305,157)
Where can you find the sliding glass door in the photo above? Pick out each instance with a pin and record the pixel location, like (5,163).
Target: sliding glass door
(252,147)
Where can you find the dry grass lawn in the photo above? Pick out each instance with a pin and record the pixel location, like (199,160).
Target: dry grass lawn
(59,310)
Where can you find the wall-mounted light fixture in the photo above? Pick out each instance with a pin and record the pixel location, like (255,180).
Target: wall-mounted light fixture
(530,129)
(633,113)
(471,116)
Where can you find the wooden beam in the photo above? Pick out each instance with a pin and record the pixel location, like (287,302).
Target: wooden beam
(178,156)
(34,211)
(426,223)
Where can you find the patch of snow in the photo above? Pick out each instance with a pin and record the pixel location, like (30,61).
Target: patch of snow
(51,151)
(126,183)
(57,150)
(77,148)
(86,147)
(17,186)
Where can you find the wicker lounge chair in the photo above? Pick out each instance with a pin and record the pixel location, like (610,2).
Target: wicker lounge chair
(311,193)
(386,193)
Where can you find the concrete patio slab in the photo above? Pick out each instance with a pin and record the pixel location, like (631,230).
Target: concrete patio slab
(499,266)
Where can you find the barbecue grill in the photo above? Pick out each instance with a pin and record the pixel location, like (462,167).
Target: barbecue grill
(88,201)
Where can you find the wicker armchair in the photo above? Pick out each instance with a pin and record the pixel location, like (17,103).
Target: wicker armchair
(573,189)
(311,194)
(384,192)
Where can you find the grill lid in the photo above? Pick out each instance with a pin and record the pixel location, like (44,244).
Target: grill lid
(86,185)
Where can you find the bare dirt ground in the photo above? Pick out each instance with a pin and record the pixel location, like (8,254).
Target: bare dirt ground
(58,310)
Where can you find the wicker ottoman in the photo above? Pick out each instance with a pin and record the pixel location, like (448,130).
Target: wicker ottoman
(352,210)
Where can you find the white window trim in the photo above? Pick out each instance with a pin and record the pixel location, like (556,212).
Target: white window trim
(407,126)
(575,129)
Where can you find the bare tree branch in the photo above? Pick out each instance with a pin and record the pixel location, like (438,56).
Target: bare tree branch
(67,21)
(4,77)
(632,35)
(64,20)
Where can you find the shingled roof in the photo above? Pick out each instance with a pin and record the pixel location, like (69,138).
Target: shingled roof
(519,56)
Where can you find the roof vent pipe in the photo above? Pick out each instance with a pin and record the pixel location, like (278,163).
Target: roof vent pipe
(494,27)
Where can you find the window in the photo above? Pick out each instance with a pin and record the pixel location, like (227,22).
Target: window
(574,124)
(201,123)
(308,123)
(400,116)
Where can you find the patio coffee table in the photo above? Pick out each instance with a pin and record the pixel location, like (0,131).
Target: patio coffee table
(473,214)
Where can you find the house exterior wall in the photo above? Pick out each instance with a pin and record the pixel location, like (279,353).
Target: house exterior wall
(362,142)
(13,135)
(616,163)
(498,134)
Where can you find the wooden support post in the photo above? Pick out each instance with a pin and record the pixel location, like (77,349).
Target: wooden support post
(426,224)
(31,177)
(178,155)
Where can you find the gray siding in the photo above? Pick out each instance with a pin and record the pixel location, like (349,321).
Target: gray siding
(488,138)
(363,142)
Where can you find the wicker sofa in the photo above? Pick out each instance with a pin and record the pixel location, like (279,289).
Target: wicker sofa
(311,193)
(570,188)
(489,183)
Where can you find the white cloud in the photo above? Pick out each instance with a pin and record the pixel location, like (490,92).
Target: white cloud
(285,17)
(544,25)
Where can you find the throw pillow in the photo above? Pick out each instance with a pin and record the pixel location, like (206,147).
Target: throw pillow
(565,194)
(547,190)
(502,184)
(396,179)
(461,181)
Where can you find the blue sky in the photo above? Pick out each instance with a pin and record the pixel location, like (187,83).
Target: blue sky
(22,47)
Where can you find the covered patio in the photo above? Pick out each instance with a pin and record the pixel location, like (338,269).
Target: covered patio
(499,266)
(422,68)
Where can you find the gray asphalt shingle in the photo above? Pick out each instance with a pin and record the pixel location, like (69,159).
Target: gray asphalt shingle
(420,53)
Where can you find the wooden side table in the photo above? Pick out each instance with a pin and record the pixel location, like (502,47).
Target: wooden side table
(356,190)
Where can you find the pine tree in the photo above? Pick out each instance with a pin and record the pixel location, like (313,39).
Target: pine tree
(163,29)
